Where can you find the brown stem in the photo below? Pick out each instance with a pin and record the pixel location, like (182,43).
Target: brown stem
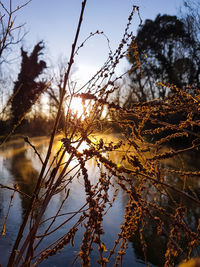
(31,236)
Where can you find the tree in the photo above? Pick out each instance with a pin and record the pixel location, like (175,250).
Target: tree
(191,20)
(163,47)
(26,89)
(11,35)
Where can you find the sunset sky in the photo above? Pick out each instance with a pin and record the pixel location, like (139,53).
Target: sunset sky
(55,23)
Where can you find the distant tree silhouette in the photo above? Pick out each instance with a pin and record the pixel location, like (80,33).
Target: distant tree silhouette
(26,89)
(163,47)
(191,20)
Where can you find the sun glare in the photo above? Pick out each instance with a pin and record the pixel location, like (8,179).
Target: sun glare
(76,107)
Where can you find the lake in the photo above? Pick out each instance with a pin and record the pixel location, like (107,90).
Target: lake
(20,165)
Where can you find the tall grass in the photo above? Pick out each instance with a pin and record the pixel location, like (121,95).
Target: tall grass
(139,171)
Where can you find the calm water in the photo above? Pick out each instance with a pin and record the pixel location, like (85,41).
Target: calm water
(19,164)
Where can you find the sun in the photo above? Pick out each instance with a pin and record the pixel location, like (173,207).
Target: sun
(76,107)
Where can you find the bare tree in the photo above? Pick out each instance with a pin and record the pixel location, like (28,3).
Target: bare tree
(10,33)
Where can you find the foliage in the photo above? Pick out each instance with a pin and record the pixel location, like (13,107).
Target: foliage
(11,36)
(26,89)
(191,21)
(164,47)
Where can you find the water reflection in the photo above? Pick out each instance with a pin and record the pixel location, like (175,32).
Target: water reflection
(19,164)
(157,244)
(25,176)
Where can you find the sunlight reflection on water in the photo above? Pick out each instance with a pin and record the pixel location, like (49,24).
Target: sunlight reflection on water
(19,164)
